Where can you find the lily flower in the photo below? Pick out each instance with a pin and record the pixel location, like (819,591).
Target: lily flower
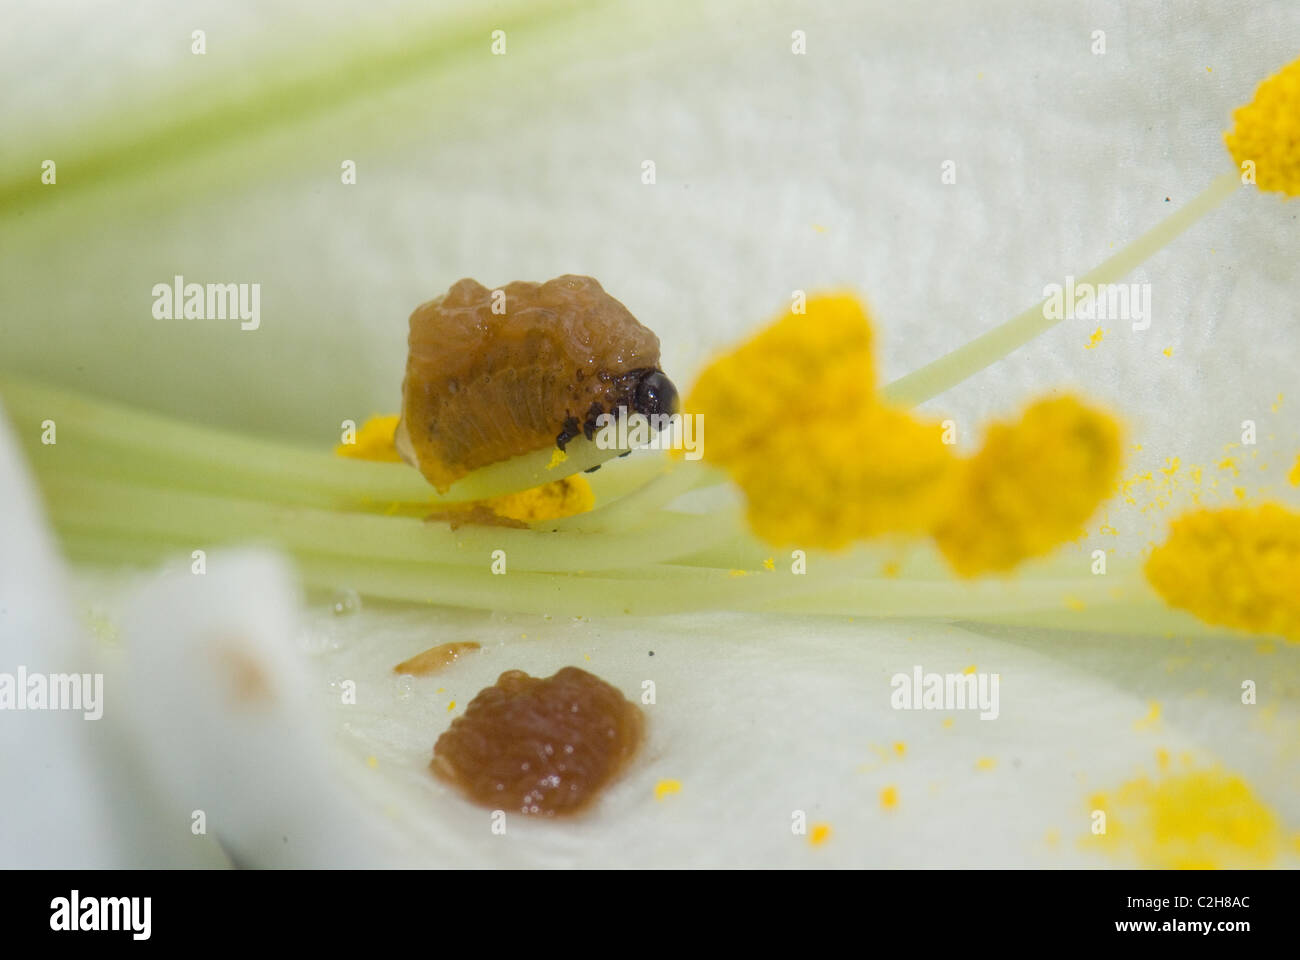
(1044,505)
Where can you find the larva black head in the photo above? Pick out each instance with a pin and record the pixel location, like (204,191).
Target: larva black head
(654,393)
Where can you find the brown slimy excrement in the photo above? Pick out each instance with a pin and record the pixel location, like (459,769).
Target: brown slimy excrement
(435,658)
(542,746)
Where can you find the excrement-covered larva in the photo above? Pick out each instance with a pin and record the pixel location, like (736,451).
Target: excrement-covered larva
(485,385)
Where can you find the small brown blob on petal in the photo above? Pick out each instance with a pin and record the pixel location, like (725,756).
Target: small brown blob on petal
(248,681)
(540,746)
(435,658)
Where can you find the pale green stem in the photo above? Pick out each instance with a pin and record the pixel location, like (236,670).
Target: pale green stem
(970,358)
(122,441)
(111,508)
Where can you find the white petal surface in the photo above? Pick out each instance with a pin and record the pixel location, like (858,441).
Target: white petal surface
(774,173)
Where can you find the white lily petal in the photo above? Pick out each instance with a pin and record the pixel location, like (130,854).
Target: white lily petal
(775,173)
(221,713)
(51,810)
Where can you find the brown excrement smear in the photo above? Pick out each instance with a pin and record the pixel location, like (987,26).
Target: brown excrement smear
(435,658)
(543,746)
(249,682)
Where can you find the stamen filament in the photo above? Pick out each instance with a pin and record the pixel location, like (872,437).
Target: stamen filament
(988,348)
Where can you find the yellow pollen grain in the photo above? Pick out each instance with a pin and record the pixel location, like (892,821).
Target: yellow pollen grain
(1235,567)
(666,788)
(1151,719)
(1266,131)
(372,762)
(947,723)
(374,441)
(986,763)
(1198,819)
(558,456)
(1293,477)
(451,706)
(769,563)
(900,748)
(819,834)
(551,501)
(1095,339)
(1031,487)
(821,461)
(1074,603)
(969,670)
(1168,351)
(1162,759)
(889,797)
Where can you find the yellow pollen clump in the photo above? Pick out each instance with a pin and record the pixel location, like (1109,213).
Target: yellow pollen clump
(559,498)
(374,441)
(821,460)
(1202,819)
(1266,132)
(820,834)
(665,788)
(551,501)
(1234,567)
(1293,477)
(1031,487)
(889,797)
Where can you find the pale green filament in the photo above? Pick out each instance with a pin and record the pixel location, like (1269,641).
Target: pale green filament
(988,348)
(128,486)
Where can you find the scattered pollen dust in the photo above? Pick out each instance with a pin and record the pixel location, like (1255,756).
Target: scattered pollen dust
(1197,819)
(889,797)
(665,788)
(1095,339)
(373,441)
(1151,719)
(819,834)
(770,562)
